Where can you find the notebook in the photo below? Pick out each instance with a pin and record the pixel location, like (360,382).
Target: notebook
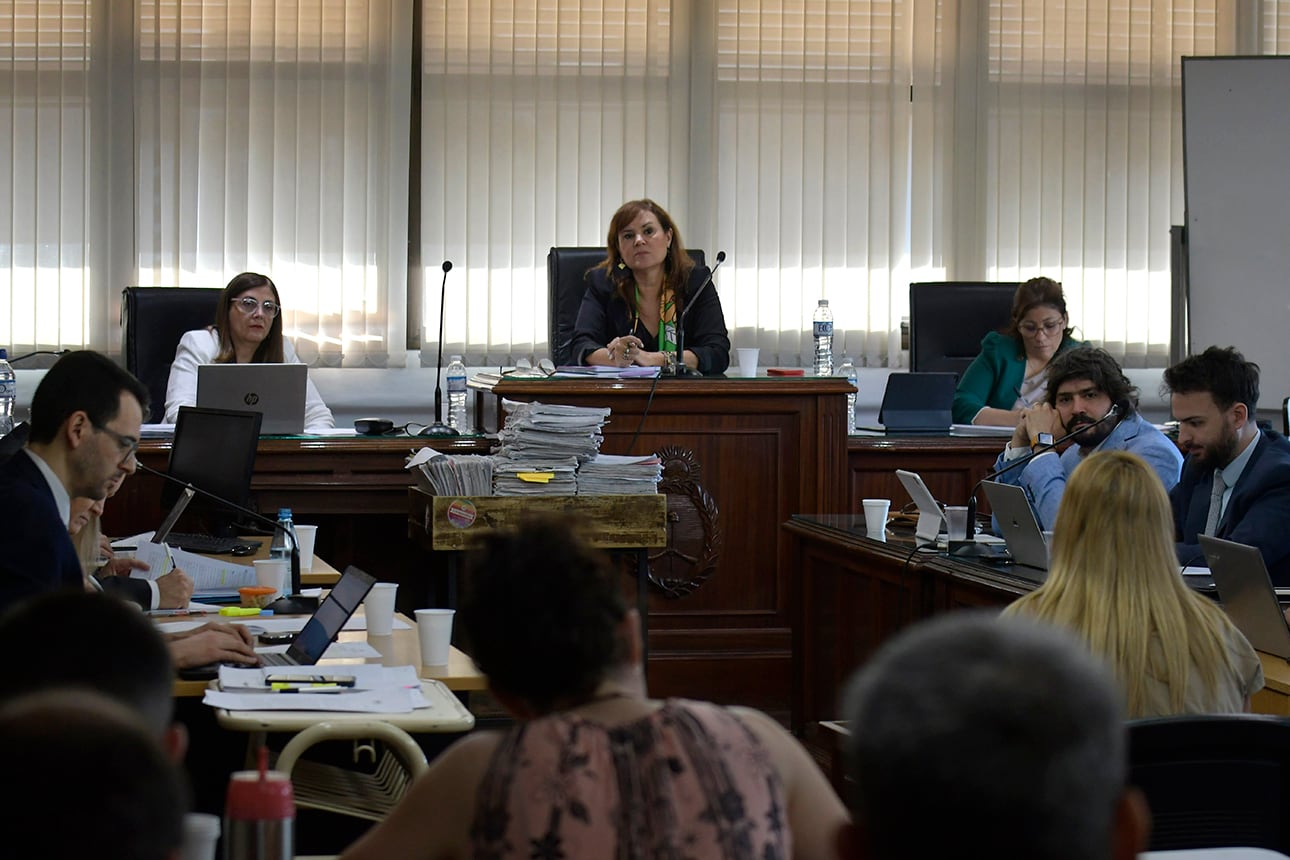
(1247,595)
(1019,528)
(276,391)
(918,402)
(326,623)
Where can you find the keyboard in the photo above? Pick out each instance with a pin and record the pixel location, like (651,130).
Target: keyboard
(207,543)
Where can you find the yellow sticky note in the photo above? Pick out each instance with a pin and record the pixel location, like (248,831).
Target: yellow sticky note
(535,477)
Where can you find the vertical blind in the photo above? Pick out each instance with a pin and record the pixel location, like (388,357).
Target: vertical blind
(834,149)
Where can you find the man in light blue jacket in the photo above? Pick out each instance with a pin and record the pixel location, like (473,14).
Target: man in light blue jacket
(1083,386)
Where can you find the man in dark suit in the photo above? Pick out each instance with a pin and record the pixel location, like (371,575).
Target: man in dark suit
(1235,483)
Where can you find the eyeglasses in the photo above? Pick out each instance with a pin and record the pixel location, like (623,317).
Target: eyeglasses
(1033,328)
(247,305)
(128,446)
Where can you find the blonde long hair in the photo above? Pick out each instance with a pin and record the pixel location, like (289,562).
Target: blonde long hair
(1113,579)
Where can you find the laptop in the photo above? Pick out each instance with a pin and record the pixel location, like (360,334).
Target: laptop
(277,391)
(918,403)
(326,623)
(1247,595)
(931,519)
(1020,529)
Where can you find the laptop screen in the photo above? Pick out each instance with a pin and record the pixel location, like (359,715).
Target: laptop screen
(214,450)
(319,631)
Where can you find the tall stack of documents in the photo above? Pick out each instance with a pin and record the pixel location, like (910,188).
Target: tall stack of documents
(452,474)
(542,431)
(607,474)
(535,477)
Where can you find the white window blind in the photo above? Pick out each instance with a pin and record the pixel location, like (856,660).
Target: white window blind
(539,118)
(272,137)
(1082,155)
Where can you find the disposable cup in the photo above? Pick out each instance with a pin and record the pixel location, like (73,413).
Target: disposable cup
(273,573)
(748,360)
(956,523)
(434,628)
(306,535)
(201,833)
(379,608)
(875,517)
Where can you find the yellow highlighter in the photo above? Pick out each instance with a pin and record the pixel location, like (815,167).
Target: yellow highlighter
(239,611)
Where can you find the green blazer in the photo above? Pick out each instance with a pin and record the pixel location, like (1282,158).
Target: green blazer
(994,377)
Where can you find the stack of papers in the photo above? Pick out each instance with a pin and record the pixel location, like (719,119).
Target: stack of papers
(607,474)
(571,371)
(539,431)
(452,474)
(212,576)
(533,477)
(365,688)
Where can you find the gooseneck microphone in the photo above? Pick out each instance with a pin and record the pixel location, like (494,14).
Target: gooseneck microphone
(296,603)
(438,428)
(970,549)
(681,369)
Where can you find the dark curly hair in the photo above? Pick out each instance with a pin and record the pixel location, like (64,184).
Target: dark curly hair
(1098,367)
(542,611)
(1223,372)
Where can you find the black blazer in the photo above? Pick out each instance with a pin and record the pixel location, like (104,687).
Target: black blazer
(604,316)
(1258,511)
(38,555)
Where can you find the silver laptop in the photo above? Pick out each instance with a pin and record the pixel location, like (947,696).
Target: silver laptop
(931,519)
(326,623)
(1019,528)
(276,391)
(1247,594)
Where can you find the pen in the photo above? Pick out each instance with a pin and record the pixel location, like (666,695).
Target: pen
(304,688)
(177,612)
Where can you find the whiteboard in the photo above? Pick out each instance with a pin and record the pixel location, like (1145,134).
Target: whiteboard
(1236,150)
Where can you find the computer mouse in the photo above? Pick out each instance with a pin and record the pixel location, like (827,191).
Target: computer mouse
(373,426)
(242,549)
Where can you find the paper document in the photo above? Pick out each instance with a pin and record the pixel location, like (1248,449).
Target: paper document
(980,430)
(377,689)
(210,575)
(367,676)
(361,701)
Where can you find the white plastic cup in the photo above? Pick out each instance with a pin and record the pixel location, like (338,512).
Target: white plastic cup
(875,517)
(201,833)
(956,523)
(434,628)
(379,608)
(274,573)
(748,360)
(306,535)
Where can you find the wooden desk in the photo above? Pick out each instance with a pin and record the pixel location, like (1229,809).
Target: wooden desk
(740,457)
(949,465)
(1274,698)
(321,573)
(402,648)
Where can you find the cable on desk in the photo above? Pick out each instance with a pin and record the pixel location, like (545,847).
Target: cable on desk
(644,414)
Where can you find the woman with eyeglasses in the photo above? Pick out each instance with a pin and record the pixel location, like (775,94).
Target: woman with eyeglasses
(1011,371)
(247,330)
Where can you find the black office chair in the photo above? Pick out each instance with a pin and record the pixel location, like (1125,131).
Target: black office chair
(1214,781)
(566,281)
(154,319)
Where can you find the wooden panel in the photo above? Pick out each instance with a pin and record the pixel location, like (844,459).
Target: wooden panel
(608,522)
(950,466)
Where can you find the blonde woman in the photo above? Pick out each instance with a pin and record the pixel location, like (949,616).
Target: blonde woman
(1114,580)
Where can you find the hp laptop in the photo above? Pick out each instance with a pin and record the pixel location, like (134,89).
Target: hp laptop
(277,391)
(918,402)
(1020,529)
(325,624)
(1247,594)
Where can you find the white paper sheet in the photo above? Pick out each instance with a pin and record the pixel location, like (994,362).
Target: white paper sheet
(361,701)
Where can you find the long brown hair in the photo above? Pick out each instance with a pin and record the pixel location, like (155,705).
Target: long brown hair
(676,266)
(270,349)
(1113,579)
(1034,293)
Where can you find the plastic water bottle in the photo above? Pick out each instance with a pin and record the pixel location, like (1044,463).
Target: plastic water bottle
(457,395)
(822,327)
(8,393)
(848,371)
(281,545)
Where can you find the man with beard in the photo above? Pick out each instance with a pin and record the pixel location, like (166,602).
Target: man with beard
(1213,397)
(1083,385)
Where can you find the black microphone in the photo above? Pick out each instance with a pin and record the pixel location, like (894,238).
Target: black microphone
(969,548)
(438,428)
(297,603)
(681,369)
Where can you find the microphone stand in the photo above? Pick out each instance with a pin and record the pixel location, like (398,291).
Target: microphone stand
(968,548)
(296,603)
(681,369)
(438,428)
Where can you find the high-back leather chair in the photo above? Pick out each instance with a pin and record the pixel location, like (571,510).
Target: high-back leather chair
(566,281)
(154,319)
(1214,781)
